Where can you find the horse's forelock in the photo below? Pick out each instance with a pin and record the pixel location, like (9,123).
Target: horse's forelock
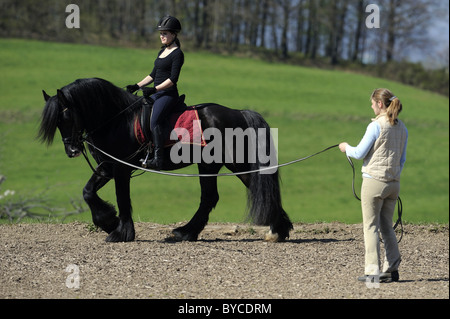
(49,121)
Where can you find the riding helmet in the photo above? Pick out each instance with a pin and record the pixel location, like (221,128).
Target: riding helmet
(169,23)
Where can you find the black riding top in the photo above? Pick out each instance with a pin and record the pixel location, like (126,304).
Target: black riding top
(168,68)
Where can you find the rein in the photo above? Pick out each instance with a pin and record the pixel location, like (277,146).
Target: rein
(113,118)
(83,151)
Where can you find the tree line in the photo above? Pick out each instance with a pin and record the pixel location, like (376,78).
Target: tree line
(320,32)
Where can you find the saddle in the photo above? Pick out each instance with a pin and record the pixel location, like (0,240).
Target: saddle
(182,116)
(146,113)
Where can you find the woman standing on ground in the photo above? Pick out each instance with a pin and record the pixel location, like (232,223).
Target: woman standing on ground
(383,149)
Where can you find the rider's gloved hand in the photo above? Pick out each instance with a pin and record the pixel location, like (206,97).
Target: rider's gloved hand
(148,91)
(132,88)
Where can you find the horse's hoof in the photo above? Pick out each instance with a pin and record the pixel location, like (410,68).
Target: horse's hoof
(113,237)
(118,236)
(179,235)
(273,237)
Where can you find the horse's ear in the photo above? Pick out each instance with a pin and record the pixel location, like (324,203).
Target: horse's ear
(46,96)
(61,98)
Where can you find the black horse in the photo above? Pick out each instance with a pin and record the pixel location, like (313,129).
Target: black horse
(96,111)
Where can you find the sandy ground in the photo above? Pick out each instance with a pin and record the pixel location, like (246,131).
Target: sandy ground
(228,261)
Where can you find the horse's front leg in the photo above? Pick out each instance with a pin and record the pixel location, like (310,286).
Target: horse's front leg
(125,228)
(103,213)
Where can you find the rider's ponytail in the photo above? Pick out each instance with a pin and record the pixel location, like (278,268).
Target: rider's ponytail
(177,41)
(394,109)
(391,102)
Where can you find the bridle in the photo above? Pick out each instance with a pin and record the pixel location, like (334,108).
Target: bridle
(70,140)
(82,138)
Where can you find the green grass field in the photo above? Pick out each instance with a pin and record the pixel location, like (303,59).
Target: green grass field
(311,108)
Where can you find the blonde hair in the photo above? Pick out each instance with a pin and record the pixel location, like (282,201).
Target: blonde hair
(390,101)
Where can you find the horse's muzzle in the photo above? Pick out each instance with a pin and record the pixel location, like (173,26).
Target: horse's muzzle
(72,151)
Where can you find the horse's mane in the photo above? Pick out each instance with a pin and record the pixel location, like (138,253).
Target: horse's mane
(93,102)
(97,99)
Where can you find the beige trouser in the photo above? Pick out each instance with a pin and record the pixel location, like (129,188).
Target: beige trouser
(378,200)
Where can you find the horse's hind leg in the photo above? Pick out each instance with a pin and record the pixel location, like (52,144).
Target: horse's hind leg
(209,199)
(265,202)
(103,213)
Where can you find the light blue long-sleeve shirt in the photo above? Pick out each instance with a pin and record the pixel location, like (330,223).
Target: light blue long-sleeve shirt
(364,146)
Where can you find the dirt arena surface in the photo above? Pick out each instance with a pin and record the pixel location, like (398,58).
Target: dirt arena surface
(228,261)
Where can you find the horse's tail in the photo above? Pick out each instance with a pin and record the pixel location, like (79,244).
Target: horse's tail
(264,197)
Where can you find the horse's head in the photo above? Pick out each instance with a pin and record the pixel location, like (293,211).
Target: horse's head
(84,105)
(58,114)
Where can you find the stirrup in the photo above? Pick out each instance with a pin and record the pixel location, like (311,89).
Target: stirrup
(155,162)
(152,163)
(146,160)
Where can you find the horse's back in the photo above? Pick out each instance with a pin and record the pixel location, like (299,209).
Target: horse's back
(220,116)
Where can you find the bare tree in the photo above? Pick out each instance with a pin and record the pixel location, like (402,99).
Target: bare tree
(300,29)
(311,33)
(357,50)
(403,25)
(285,8)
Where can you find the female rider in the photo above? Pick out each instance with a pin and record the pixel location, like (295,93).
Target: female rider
(165,74)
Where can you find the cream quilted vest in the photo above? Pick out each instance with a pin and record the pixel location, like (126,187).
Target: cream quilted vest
(383,160)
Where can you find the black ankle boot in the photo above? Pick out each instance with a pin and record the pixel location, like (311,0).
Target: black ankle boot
(157,161)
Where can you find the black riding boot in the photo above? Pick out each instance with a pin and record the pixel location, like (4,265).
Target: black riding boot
(158,154)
